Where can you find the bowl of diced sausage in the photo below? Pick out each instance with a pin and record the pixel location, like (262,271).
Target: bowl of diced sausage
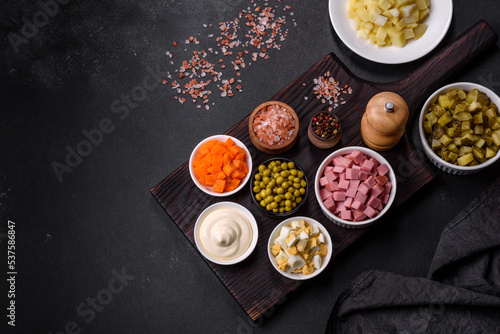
(355,186)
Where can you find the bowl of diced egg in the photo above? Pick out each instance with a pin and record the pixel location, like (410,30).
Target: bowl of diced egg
(299,248)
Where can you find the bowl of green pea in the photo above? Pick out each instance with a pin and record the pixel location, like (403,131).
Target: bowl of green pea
(279,187)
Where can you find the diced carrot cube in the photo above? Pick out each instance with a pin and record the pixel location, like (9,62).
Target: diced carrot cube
(229,142)
(218,149)
(234,150)
(235,183)
(226,159)
(210,179)
(221,175)
(240,156)
(228,169)
(214,170)
(237,174)
(241,165)
(217,160)
(219,186)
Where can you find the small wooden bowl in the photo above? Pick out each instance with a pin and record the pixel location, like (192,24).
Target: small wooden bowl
(273,149)
(321,142)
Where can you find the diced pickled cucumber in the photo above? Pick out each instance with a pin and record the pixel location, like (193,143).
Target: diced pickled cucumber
(465,159)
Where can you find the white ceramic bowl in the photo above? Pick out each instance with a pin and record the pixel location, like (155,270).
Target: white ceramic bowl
(438,23)
(433,157)
(208,189)
(346,223)
(234,206)
(299,276)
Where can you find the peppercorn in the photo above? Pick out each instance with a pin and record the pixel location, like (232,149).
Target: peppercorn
(325,126)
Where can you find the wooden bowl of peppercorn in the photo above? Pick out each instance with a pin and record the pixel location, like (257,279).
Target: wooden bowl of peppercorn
(324,130)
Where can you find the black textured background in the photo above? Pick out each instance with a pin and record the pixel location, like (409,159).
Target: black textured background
(72,235)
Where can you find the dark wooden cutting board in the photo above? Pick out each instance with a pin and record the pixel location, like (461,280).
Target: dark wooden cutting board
(254,283)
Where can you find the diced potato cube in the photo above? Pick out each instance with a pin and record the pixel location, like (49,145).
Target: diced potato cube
(385,5)
(407,10)
(408,33)
(421,4)
(381,20)
(373,12)
(401,24)
(364,33)
(420,30)
(444,101)
(423,14)
(363,14)
(397,37)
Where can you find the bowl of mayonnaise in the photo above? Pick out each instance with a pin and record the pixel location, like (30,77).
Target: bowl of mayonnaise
(226,233)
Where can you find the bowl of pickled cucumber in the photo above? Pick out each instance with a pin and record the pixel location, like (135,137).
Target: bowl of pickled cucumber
(279,187)
(459,127)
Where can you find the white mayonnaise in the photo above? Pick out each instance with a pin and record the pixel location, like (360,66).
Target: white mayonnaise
(225,233)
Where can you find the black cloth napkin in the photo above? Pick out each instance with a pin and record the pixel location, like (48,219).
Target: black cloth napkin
(460,295)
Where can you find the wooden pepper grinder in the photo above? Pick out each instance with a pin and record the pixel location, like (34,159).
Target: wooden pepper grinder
(383,123)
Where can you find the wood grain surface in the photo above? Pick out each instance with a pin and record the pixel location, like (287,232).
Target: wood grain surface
(254,283)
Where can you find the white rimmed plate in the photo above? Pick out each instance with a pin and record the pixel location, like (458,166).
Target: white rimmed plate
(438,22)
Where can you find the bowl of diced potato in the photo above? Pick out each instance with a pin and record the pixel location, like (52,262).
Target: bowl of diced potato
(459,128)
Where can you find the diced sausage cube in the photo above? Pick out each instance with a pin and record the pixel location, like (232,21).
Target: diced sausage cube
(357,156)
(332,186)
(373,201)
(370,212)
(346,215)
(385,198)
(324,194)
(363,175)
(377,190)
(348,173)
(360,197)
(356,205)
(338,196)
(363,188)
(330,204)
(343,184)
(331,176)
(351,192)
(370,182)
(382,179)
(367,165)
(354,184)
(382,169)
(348,202)
(323,181)
(338,169)
(358,215)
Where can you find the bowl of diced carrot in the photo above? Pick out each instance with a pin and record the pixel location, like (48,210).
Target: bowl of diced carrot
(219,165)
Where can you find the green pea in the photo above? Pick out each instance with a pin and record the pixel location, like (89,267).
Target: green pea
(284,166)
(280,180)
(266,172)
(282,204)
(291,178)
(296,193)
(257,189)
(293,172)
(285,185)
(288,208)
(274,205)
(262,184)
(298,200)
(269,199)
(258,177)
(285,173)
(256,183)
(291,165)
(275,210)
(296,180)
(303,183)
(277,198)
(272,164)
(276,169)
(288,203)
(263,203)
(266,179)
(302,191)
(280,191)
(268,192)
(300,174)
(288,195)
(268,207)
(282,209)
(258,197)
(271,184)
(291,190)
(262,168)
(296,185)
(294,205)
(263,193)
